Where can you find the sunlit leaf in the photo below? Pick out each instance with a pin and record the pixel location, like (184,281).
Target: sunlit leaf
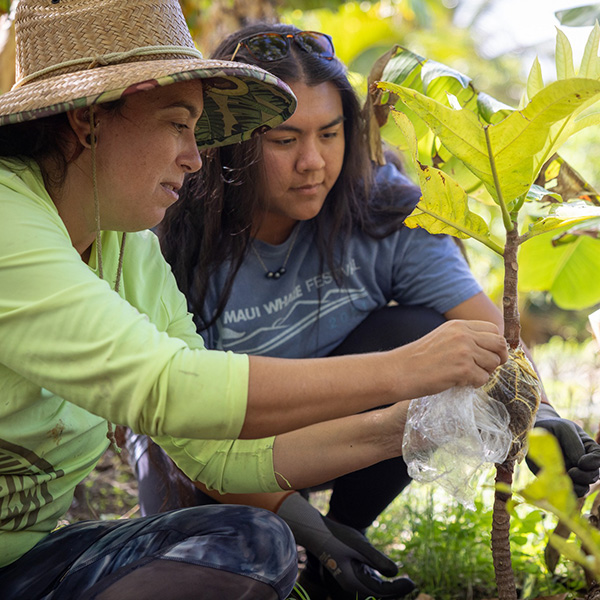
(515,141)
(570,550)
(537,193)
(459,130)
(589,120)
(564,57)
(576,211)
(443,207)
(492,110)
(566,214)
(403,64)
(569,272)
(535,81)
(453,101)
(590,63)
(551,480)
(433,70)
(527,130)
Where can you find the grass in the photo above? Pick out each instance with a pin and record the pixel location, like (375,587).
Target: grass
(445,547)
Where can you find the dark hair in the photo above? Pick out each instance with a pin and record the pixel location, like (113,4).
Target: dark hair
(40,140)
(44,140)
(211,224)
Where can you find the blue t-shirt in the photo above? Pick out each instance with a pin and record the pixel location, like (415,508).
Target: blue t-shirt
(306,314)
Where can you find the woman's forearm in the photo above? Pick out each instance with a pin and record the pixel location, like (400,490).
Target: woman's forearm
(286,394)
(324,451)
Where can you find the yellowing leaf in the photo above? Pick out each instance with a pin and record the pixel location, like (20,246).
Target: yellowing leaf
(590,63)
(564,57)
(444,206)
(535,81)
(525,133)
(552,480)
(514,142)
(585,92)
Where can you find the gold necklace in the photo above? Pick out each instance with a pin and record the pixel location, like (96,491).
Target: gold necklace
(278,273)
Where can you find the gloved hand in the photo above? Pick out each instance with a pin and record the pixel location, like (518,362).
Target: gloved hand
(343,551)
(580,452)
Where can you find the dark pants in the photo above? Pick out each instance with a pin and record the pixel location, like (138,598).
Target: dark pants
(357,498)
(208,552)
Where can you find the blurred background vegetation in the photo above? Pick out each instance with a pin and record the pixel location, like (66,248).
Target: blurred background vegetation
(439,543)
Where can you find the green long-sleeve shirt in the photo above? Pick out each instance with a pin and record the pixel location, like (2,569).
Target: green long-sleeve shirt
(74,353)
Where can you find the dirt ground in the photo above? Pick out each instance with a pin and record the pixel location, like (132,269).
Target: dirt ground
(109,492)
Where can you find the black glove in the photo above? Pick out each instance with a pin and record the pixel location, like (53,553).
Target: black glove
(580,452)
(343,551)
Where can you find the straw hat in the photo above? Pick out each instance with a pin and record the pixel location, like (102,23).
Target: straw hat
(73,53)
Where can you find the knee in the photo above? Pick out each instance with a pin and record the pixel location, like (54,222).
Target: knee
(268,547)
(271,531)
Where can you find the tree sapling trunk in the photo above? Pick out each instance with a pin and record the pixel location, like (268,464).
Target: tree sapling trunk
(516,385)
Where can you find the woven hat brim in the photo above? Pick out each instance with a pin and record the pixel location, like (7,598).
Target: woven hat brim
(239,101)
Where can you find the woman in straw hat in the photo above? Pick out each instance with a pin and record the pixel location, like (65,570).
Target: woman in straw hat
(110,105)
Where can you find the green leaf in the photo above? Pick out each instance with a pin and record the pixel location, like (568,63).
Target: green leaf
(570,550)
(401,66)
(519,540)
(515,141)
(590,63)
(561,130)
(552,482)
(567,214)
(444,206)
(433,70)
(537,193)
(535,81)
(568,272)
(582,16)
(591,228)
(429,77)
(459,130)
(550,108)
(492,110)
(585,121)
(564,57)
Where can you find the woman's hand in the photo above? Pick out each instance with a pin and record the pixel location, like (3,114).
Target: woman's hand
(457,353)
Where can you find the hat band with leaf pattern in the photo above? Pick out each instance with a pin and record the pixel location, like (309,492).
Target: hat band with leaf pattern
(74,53)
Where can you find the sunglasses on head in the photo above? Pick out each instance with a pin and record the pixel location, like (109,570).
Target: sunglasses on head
(275,46)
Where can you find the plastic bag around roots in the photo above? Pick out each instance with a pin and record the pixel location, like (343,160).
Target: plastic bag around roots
(449,436)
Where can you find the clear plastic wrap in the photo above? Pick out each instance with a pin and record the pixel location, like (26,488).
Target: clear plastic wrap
(451,435)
